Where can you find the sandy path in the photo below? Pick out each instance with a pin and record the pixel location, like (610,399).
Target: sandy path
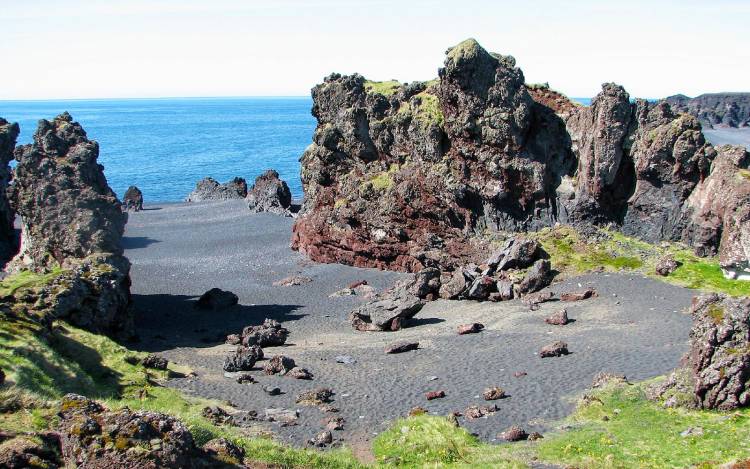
(636,326)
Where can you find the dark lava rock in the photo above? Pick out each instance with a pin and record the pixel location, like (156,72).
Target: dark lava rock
(225,451)
(245,378)
(558,318)
(426,284)
(514,433)
(268,334)
(435,395)
(243,358)
(8,239)
(315,397)
(323,438)
(154,361)
(555,349)
(578,295)
(2,377)
(715,109)
(133,199)
(517,253)
(493,393)
(270,194)
(334,423)
(473,328)
(272,390)
(533,301)
(210,189)
(401,347)
(386,311)
(216,299)
(292,281)
(278,365)
(720,351)
(299,373)
(233,339)
(141,439)
(407,179)
(537,277)
(476,412)
(533,436)
(217,415)
(666,265)
(480,288)
(39,451)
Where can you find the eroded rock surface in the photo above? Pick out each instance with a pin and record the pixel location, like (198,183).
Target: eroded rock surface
(8,239)
(133,199)
(210,189)
(406,176)
(715,109)
(270,194)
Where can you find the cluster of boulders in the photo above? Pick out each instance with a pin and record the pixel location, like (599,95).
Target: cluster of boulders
(70,219)
(717,370)
(90,435)
(414,177)
(268,194)
(517,269)
(210,189)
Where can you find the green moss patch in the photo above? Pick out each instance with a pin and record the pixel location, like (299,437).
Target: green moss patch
(26,279)
(386,88)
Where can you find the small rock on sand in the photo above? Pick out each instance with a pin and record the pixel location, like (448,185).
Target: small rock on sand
(476,412)
(555,349)
(284,416)
(345,360)
(514,433)
(279,364)
(334,423)
(578,295)
(245,378)
(493,393)
(292,281)
(470,328)
(216,299)
(272,390)
(558,318)
(323,438)
(401,347)
(299,373)
(519,374)
(435,395)
(666,265)
(315,396)
(155,362)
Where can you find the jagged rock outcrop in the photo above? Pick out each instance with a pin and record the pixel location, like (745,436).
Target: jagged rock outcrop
(71,220)
(720,351)
(210,189)
(8,238)
(715,109)
(270,194)
(408,176)
(720,211)
(133,199)
(67,209)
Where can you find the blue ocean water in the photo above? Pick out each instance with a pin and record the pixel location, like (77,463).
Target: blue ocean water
(164,146)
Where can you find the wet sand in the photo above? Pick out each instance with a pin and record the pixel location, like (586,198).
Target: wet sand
(636,326)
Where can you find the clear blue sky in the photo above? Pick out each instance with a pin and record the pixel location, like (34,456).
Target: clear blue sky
(153,48)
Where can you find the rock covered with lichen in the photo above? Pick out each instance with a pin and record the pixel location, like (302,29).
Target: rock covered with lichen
(8,241)
(71,231)
(408,176)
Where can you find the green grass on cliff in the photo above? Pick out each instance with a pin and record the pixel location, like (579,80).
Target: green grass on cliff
(386,88)
(26,279)
(572,254)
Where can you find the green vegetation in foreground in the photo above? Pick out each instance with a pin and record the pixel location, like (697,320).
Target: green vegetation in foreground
(621,428)
(74,360)
(572,254)
(26,279)
(386,88)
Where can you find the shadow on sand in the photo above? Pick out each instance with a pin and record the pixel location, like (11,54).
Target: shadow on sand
(164,322)
(137,242)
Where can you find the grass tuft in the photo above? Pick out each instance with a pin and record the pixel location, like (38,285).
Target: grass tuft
(386,88)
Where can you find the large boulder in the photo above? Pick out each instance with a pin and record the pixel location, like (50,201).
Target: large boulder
(68,211)
(8,238)
(388,310)
(720,351)
(210,189)
(270,194)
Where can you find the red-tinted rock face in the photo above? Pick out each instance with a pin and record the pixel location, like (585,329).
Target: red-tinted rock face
(404,176)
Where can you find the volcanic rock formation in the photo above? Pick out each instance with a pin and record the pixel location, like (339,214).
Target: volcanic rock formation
(133,199)
(715,109)
(8,241)
(407,176)
(270,194)
(72,224)
(209,189)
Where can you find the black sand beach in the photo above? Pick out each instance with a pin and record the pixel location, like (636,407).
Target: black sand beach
(636,326)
